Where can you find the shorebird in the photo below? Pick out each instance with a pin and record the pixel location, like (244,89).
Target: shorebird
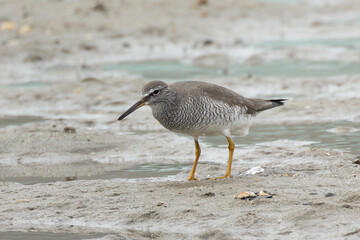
(202,109)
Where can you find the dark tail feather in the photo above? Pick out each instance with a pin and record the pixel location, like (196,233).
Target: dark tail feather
(274,103)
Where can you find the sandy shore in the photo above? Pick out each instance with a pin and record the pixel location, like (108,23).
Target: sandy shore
(204,209)
(56,73)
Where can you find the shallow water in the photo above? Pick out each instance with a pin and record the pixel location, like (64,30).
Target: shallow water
(332,135)
(172,70)
(160,69)
(16,235)
(18,120)
(139,171)
(344,43)
(296,69)
(281,1)
(34,84)
(341,135)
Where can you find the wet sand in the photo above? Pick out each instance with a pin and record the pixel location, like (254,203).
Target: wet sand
(59,70)
(203,209)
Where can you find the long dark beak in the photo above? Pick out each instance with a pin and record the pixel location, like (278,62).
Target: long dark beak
(137,105)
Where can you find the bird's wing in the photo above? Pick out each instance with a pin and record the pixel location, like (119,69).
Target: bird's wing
(219,93)
(231,98)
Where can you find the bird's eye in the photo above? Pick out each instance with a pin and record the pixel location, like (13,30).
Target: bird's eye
(156,92)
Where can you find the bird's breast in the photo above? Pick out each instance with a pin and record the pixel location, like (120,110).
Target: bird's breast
(201,117)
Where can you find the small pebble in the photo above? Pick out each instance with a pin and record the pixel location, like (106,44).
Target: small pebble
(70,178)
(87,47)
(208,42)
(330,194)
(100,7)
(24,29)
(7,26)
(69,130)
(126,45)
(33,58)
(357,160)
(202,2)
(208,194)
(307,203)
(90,79)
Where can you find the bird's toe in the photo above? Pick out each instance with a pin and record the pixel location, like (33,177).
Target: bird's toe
(222,177)
(193,179)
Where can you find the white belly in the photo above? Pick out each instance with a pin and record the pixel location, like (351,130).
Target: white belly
(238,128)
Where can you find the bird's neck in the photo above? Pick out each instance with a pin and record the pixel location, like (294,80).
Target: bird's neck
(165,112)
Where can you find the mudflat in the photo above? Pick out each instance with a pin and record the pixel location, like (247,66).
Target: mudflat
(70,68)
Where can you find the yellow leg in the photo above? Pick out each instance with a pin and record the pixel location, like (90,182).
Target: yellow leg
(197,155)
(231,153)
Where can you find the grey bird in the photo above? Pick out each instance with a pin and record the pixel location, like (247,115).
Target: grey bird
(202,109)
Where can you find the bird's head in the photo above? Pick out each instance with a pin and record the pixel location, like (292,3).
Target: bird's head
(153,93)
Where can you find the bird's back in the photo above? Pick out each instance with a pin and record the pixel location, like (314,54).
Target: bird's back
(226,96)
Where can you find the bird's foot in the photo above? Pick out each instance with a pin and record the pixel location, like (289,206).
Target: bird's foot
(222,177)
(192,179)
